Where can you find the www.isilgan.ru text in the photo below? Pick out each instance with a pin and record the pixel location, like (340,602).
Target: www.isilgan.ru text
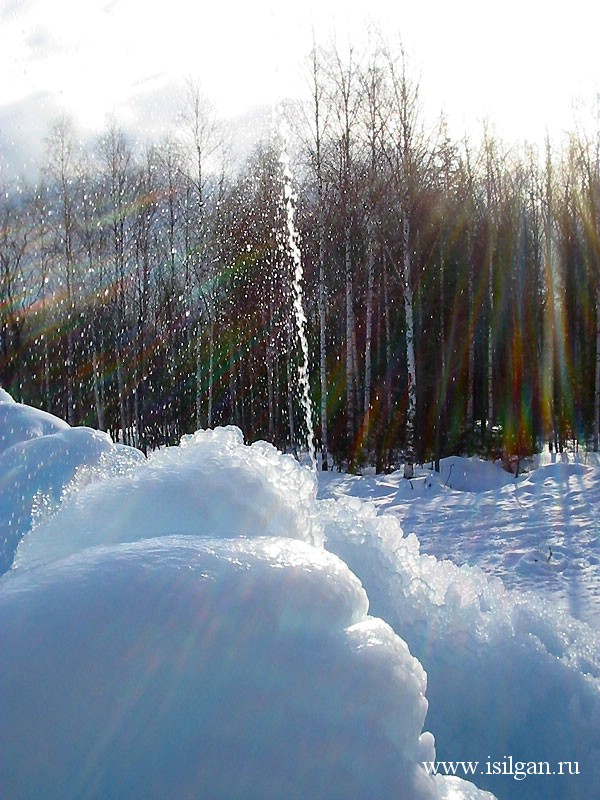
(519,770)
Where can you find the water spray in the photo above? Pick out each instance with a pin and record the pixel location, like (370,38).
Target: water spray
(293,246)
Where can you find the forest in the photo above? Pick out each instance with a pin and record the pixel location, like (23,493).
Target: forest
(451,288)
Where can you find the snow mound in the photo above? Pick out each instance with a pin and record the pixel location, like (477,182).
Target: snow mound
(35,472)
(557,473)
(20,423)
(184,667)
(212,485)
(507,673)
(5,397)
(473,474)
(174,628)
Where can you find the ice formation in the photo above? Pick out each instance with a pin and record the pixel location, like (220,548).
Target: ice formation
(200,624)
(39,457)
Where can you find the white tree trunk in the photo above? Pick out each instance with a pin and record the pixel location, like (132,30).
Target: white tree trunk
(270,391)
(70,372)
(490,355)
(198,403)
(597,393)
(317,92)
(471,345)
(411,410)
(97,395)
(369,330)
(323,349)
(211,367)
(122,401)
(441,396)
(235,413)
(46,374)
(350,365)
(290,395)
(388,341)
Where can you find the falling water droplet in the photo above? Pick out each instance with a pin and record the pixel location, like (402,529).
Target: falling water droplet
(298,303)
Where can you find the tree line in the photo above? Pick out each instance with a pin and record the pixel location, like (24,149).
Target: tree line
(451,289)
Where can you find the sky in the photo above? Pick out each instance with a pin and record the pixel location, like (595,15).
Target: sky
(524,65)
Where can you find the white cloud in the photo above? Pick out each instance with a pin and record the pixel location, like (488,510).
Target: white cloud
(517,64)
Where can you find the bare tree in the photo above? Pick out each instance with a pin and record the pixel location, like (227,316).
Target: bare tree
(408,163)
(587,157)
(318,128)
(15,230)
(91,235)
(61,170)
(373,94)
(346,104)
(204,142)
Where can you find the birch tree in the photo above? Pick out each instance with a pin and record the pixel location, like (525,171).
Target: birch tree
(551,300)
(407,159)
(588,160)
(203,140)
(318,128)
(61,171)
(115,156)
(470,204)
(91,236)
(373,95)
(14,241)
(346,106)
(491,179)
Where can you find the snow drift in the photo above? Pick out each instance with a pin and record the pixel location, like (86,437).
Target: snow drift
(180,667)
(212,485)
(176,631)
(40,455)
(175,628)
(20,423)
(508,674)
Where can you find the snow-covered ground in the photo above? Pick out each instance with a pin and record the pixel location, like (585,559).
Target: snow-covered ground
(214,622)
(538,532)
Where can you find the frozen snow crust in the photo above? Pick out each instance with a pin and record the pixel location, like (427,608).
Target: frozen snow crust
(212,485)
(175,628)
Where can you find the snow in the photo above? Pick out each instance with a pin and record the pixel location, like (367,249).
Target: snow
(189,667)
(5,397)
(507,672)
(212,485)
(538,533)
(20,423)
(214,622)
(41,457)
